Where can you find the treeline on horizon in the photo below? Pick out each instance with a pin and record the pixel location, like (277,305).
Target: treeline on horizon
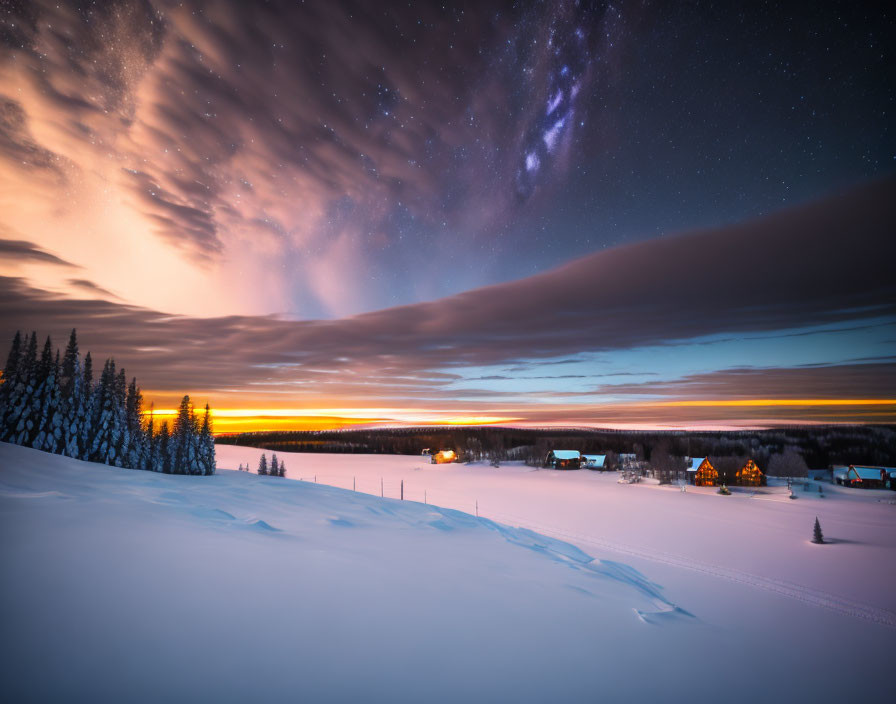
(54,405)
(819,446)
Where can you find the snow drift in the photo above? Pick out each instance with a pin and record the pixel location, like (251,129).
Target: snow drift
(122,585)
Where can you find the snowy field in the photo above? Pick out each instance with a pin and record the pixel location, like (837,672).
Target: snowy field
(122,585)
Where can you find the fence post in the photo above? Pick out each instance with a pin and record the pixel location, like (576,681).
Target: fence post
(381,487)
(402,489)
(424,496)
(315,479)
(353,484)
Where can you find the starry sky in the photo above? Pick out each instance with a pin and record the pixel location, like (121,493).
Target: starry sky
(572,213)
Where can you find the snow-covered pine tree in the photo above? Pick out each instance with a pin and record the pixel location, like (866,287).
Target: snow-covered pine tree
(817,535)
(7,384)
(102,448)
(152,445)
(137,451)
(74,407)
(49,434)
(194,456)
(207,443)
(182,438)
(28,427)
(91,411)
(72,404)
(275,467)
(70,366)
(263,464)
(282,468)
(20,400)
(164,449)
(121,439)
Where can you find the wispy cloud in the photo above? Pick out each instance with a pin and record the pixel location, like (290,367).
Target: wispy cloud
(777,274)
(19,251)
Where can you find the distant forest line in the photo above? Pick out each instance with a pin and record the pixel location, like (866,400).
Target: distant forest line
(819,446)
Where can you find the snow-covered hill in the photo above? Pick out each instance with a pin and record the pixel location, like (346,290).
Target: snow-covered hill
(121,585)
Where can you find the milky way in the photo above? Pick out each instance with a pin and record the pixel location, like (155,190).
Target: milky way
(286,161)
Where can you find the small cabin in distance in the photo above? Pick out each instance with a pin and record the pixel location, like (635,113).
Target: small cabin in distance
(750,475)
(563,459)
(444,457)
(594,462)
(864,477)
(702,473)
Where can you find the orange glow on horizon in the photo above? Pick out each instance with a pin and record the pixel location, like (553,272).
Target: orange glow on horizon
(236,420)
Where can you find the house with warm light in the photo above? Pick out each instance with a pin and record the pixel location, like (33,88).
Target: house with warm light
(701,472)
(563,459)
(750,475)
(444,457)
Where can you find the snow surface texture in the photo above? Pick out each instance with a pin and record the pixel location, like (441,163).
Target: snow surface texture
(122,585)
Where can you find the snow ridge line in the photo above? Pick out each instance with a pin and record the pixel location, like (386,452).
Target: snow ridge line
(813,597)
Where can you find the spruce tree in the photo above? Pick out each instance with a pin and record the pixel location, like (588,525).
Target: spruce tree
(8,382)
(74,410)
(282,468)
(19,403)
(49,400)
(136,451)
(275,468)
(71,367)
(263,464)
(88,424)
(207,443)
(182,438)
(817,535)
(26,402)
(103,446)
(150,440)
(164,450)
(120,437)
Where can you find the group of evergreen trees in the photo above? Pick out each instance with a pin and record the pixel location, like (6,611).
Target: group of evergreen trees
(54,405)
(276,469)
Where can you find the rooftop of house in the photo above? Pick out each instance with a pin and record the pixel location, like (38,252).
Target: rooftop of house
(566,454)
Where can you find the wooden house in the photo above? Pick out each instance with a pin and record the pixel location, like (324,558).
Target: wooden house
(862,477)
(702,473)
(563,459)
(750,475)
(594,461)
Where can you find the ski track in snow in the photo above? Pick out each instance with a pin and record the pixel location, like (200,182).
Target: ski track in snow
(814,597)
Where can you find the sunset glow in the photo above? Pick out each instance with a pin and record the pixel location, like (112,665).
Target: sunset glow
(453,219)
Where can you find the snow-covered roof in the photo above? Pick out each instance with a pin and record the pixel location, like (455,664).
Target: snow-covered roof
(595,459)
(695,463)
(566,454)
(866,472)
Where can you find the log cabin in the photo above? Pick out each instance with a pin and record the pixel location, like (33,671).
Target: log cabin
(563,459)
(750,475)
(702,473)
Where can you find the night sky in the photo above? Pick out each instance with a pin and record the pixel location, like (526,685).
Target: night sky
(573,213)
